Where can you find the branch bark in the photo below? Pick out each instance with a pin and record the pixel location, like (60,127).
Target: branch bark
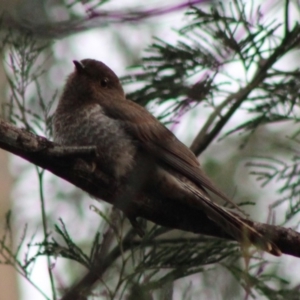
(71,167)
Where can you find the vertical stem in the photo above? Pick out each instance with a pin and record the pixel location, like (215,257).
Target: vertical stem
(45,229)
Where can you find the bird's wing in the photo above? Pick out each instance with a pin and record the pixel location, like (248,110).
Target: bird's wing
(161,142)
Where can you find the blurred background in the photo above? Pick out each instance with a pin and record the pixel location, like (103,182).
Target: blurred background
(182,59)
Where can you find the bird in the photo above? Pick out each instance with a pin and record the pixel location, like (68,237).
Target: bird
(133,147)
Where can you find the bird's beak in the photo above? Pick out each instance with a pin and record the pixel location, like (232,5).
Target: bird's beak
(78,65)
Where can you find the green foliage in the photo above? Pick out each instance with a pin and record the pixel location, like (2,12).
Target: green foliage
(25,58)
(194,71)
(286,175)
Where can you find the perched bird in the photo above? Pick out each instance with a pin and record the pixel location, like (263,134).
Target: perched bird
(135,148)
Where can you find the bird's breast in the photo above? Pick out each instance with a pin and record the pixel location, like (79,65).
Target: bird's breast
(90,126)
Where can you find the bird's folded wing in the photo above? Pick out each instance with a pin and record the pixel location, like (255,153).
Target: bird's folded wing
(161,143)
(153,137)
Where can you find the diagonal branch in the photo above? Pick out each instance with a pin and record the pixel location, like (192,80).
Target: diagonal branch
(205,137)
(45,154)
(92,19)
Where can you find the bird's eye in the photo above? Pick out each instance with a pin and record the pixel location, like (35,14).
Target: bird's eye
(104,82)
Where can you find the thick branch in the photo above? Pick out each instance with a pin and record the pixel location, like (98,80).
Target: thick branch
(45,154)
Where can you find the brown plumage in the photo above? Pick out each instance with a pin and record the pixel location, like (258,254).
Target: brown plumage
(135,146)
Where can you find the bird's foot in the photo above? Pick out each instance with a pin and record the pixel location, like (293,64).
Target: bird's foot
(136,226)
(84,165)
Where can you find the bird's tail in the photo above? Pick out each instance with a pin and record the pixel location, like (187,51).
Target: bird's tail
(236,226)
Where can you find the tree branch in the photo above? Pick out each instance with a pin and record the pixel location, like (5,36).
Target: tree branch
(205,137)
(92,19)
(164,212)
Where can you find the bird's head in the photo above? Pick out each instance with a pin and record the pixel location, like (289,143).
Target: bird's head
(92,81)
